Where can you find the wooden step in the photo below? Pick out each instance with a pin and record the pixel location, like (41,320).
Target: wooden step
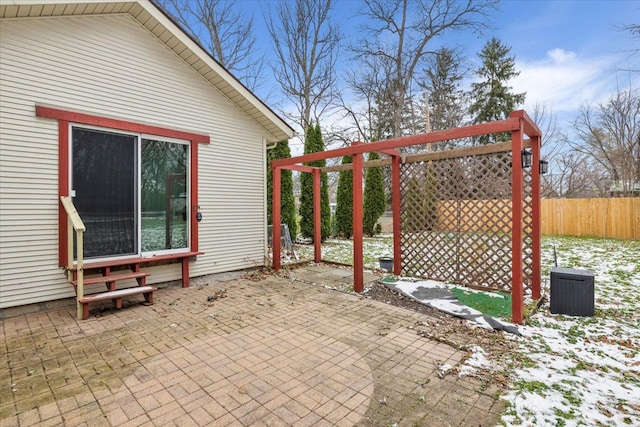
(91,265)
(116,296)
(135,262)
(111,278)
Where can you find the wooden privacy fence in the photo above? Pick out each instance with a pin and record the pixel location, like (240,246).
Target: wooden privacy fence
(616,218)
(489,214)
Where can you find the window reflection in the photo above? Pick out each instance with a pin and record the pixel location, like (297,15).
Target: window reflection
(164,195)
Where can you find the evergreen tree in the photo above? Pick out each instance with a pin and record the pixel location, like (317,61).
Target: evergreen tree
(344,206)
(287,200)
(306,188)
(421,201)
(411,203)
(374,203)
(492,98)
(312,144)
(325,208)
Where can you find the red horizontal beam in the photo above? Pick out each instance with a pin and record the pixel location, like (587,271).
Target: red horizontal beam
(528,126)
(392,153)
(299,168)
(88,119)
(507,125)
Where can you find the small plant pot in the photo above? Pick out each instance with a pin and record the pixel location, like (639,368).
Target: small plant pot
(386,263)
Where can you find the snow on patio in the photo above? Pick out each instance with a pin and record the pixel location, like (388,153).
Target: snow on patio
(568,371)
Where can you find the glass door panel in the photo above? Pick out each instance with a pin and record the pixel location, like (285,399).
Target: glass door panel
(104,180)
(164,197)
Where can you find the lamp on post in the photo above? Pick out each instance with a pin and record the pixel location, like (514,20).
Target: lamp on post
(527,158)
(544,167)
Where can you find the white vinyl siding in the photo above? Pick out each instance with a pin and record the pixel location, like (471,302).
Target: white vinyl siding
(112,66)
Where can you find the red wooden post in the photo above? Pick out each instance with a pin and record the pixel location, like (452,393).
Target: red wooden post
(275,214)
(63,190)
(395,203)
(185,272)
(535,213)
(317,217)
(517,295)
(358,264)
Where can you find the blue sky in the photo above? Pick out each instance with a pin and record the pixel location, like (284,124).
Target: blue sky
(568,52)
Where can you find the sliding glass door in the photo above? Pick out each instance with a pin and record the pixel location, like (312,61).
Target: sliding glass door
(164,195)
(131,191)
(104,190)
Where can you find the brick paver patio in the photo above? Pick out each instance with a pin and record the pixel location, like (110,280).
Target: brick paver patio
(273,352)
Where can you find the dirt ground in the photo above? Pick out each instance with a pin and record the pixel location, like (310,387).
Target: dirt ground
(443,326)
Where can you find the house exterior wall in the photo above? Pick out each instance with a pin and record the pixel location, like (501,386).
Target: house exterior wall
(112,66)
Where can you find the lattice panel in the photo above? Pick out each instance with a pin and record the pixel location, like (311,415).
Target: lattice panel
(527,232)
(456,221)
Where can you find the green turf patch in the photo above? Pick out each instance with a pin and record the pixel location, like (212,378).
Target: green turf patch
(495,304)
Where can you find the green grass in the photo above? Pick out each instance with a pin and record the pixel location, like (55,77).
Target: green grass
(532,386)
(496,306)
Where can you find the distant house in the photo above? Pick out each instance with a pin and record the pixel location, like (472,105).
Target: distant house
(111,103)
(624,189)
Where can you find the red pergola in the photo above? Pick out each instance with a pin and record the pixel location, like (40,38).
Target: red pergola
(518,123)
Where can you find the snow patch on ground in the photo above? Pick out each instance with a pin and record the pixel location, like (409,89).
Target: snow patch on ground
(478,361)
(583,370)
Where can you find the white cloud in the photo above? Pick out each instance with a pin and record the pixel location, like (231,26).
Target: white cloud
(561,55)
(564,80)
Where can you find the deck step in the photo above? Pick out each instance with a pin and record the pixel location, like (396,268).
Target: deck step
(116,296)
(92,265)
(111,278)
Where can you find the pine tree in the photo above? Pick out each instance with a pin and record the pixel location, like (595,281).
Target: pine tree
(313,144)
(287,200)
(492,98)
(344,203)
(374,199)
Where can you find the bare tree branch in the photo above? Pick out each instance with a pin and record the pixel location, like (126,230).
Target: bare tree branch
(634,31)
(306,46)
(610,135)
(226,33)
(401,31)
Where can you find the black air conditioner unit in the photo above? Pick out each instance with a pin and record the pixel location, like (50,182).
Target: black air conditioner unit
(571,292)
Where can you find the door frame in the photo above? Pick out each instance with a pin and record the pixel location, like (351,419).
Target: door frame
(64,117)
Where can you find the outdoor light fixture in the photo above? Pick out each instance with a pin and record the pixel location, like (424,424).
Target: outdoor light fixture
(527,158)
(544,167)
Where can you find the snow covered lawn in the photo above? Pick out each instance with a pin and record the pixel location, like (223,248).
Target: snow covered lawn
(567,371)
(340,250)
(582,370)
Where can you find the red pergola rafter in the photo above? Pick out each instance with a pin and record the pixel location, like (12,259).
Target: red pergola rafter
(518,124)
